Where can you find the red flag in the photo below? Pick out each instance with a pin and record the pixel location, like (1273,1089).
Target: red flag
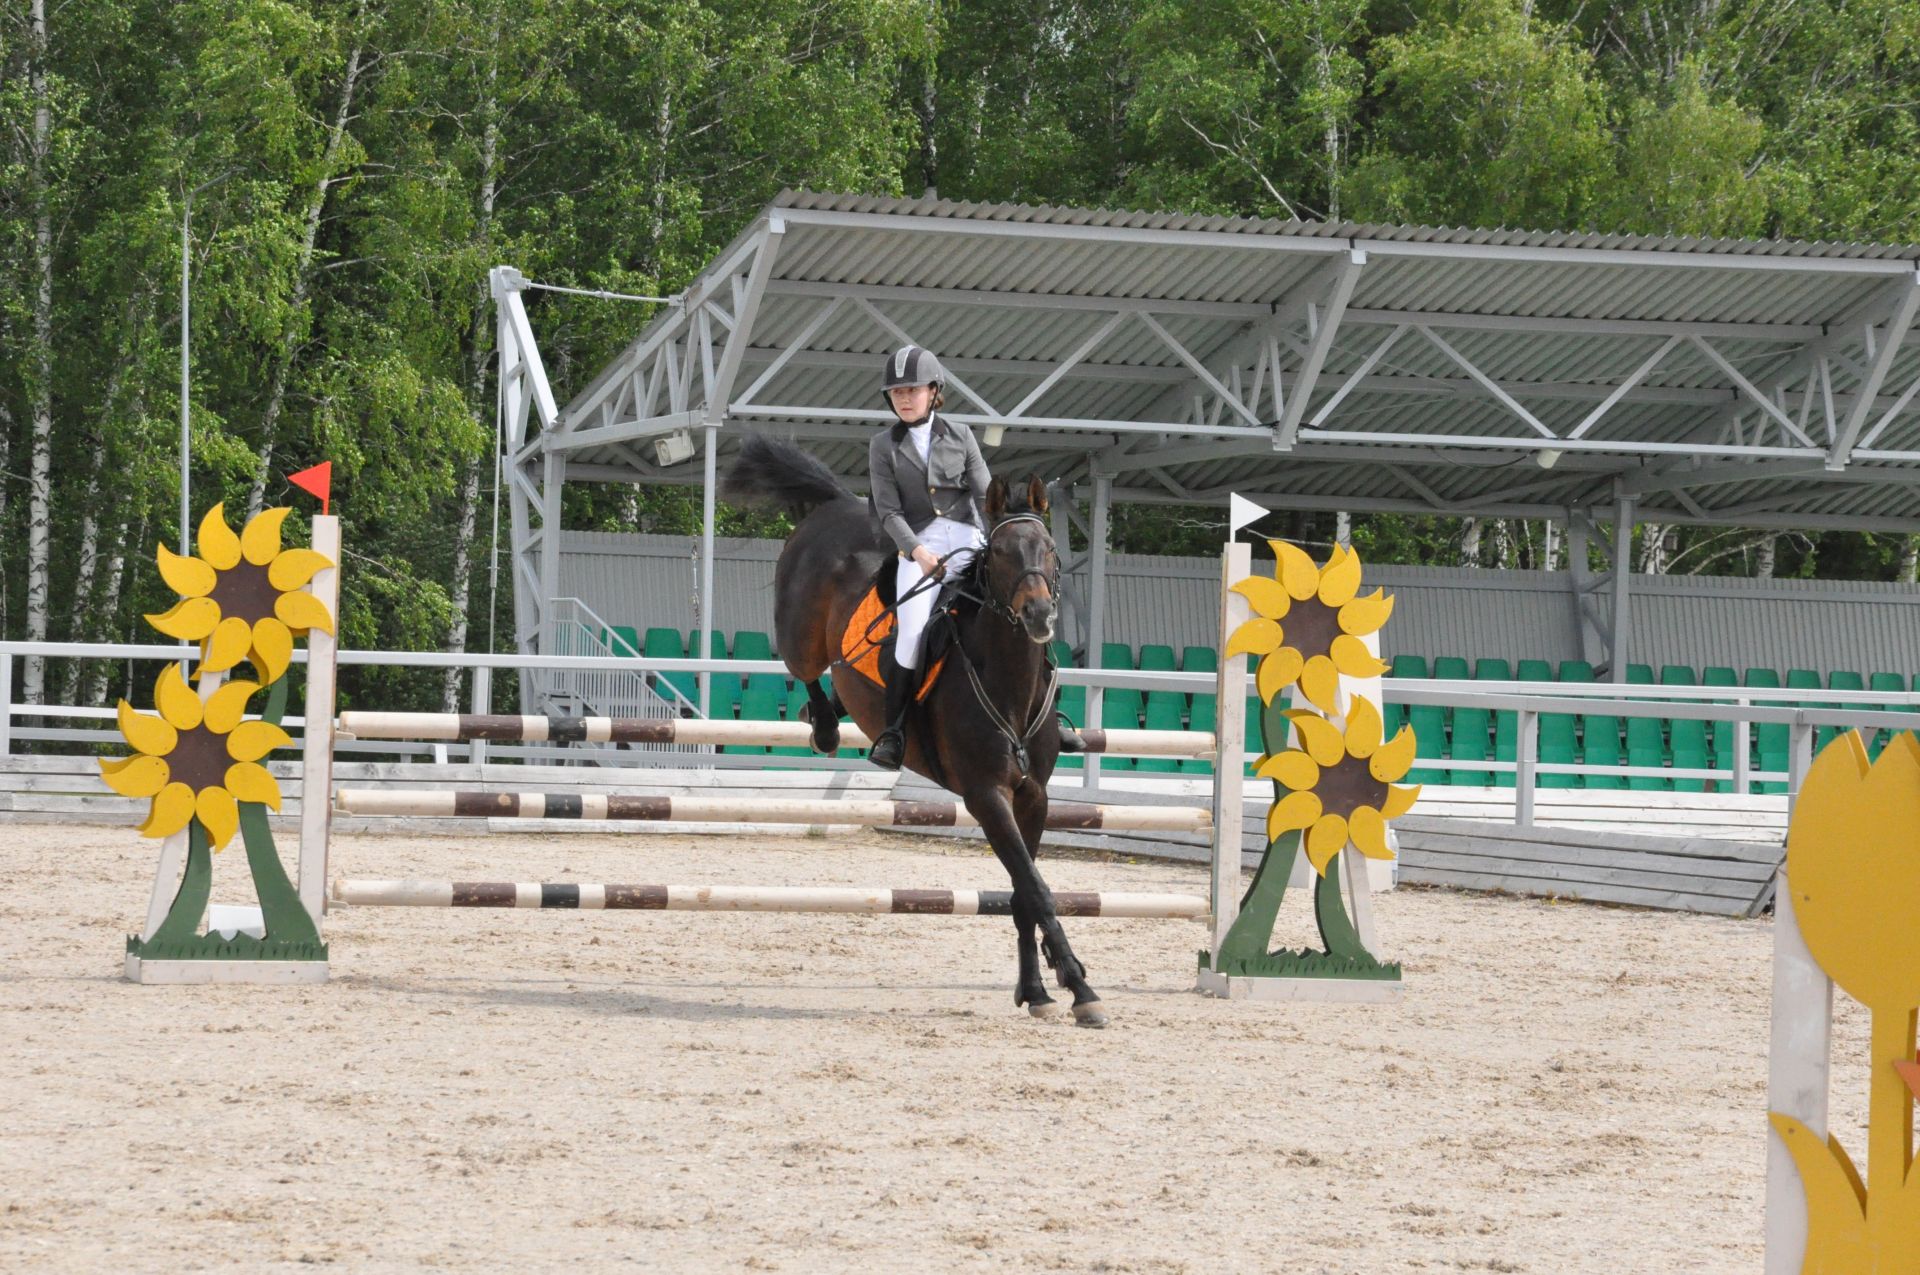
(317,481)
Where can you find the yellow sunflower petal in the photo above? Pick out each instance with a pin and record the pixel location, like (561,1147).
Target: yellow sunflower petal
(1363,727)
(1327,838)
(1293,768)
(171,811)
(228,705)
(151,735)
(1394,758)
(1267,597)
(229,643)
(272,649)
(1318,736)
(260,542)
(295,567)
(1368,830)
(1398,801)
(1320,682)
(176,700)
(1366,615)
(1340,580)
(190,619)
(218,815)
(136,776)
(301,612)
(1277,672)
(250,741)
(1351,656)
(1295,810)
(1295,570)
(1255,637)
(218,545)
(248,781)
(188,577)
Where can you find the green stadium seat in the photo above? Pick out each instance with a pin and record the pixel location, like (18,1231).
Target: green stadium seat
(1116,655)
(1720,736)
(1506,723)
(1199,659)
(1166,710)
(1470,736)
(1558,736)
(756,706)
(751,644)
(1884,682)
(622,639)
(796,700)
(726,687)
(1157,659)
(1120,709)
(1203,717)
(1646,738)
(1599,735)
(1429,722)
(667,644)
(1060,653)
(1840,681)
(1686,737)
(1770,739)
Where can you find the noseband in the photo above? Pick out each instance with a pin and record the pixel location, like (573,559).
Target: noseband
(1004,609)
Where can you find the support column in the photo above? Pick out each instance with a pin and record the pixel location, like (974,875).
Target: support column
(1096,624)
(1070,622)
(553,474)
(1622,569)
(708,462)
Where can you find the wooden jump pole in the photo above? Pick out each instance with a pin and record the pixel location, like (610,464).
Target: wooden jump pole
(1061,815)
(746,898)
(506,727)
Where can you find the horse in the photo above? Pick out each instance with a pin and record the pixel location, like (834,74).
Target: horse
(986,732)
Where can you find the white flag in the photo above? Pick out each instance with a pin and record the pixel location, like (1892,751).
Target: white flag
(1241,512)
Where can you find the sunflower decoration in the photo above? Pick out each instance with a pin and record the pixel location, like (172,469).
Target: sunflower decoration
(1326,624)
(242,597)
(195,760)
(1341,784)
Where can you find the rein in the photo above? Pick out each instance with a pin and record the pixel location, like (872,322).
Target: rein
(1041,714)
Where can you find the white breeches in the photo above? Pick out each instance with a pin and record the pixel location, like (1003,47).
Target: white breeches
(943,536)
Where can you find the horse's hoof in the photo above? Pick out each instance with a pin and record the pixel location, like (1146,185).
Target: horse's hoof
(827,748)
(1044,1009)
(1089,1015)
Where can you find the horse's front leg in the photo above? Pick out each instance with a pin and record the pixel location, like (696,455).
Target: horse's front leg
(1030,815)
(824,716)
(994,810)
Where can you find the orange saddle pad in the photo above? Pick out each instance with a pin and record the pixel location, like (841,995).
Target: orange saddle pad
(870,625)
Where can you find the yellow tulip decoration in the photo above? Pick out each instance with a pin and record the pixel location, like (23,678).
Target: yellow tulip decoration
(241,597)
(1853,869)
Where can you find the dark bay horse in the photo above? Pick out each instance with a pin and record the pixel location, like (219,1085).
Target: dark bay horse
(965,734)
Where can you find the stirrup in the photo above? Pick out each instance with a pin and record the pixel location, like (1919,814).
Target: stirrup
(885,757)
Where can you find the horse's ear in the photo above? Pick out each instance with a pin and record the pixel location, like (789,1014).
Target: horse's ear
(1036,494)
(996,499)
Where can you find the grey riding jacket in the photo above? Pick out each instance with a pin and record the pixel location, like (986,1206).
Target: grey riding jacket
(907,495)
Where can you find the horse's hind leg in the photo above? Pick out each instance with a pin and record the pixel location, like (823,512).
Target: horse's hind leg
(997,820)
(824,715)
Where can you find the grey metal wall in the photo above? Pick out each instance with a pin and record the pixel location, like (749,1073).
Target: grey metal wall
(1693,620)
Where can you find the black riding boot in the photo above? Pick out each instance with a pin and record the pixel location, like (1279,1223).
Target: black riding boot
(890,750)
(1070,740)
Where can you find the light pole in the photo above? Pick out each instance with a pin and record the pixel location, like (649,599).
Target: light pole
(186,335)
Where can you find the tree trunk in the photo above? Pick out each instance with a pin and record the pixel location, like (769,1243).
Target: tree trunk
(1653,549)
(929,146)
(1343,529)
(662,139)
(39,361)
(93,688)
(1909,560)
(302,281)
(1469,542)
(1763,558)
(1550,550)
(479,349)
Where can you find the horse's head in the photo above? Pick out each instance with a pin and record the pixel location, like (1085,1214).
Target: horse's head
(1022,572)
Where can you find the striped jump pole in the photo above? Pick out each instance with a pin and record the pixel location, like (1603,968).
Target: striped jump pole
(746,898)
(508,728)
(1061,815)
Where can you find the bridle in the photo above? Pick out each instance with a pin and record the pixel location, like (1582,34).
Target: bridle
(1043,708)
(1051,578)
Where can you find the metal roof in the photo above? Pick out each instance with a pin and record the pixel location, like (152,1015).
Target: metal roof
(1307,365)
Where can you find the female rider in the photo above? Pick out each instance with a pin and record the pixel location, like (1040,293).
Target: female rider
(929,488)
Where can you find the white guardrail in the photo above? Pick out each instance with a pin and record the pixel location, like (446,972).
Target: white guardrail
(1802,711)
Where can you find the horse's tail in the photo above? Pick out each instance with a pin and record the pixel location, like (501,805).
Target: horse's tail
(771,472)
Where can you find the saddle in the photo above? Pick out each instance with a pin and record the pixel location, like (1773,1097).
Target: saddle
(873,624)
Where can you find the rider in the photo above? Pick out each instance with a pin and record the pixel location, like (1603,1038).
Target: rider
(929,488)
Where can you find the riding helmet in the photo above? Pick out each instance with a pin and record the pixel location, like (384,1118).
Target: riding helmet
(911,365)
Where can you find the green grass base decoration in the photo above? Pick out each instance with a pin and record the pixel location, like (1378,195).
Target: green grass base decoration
(241,947)
(1306,963)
